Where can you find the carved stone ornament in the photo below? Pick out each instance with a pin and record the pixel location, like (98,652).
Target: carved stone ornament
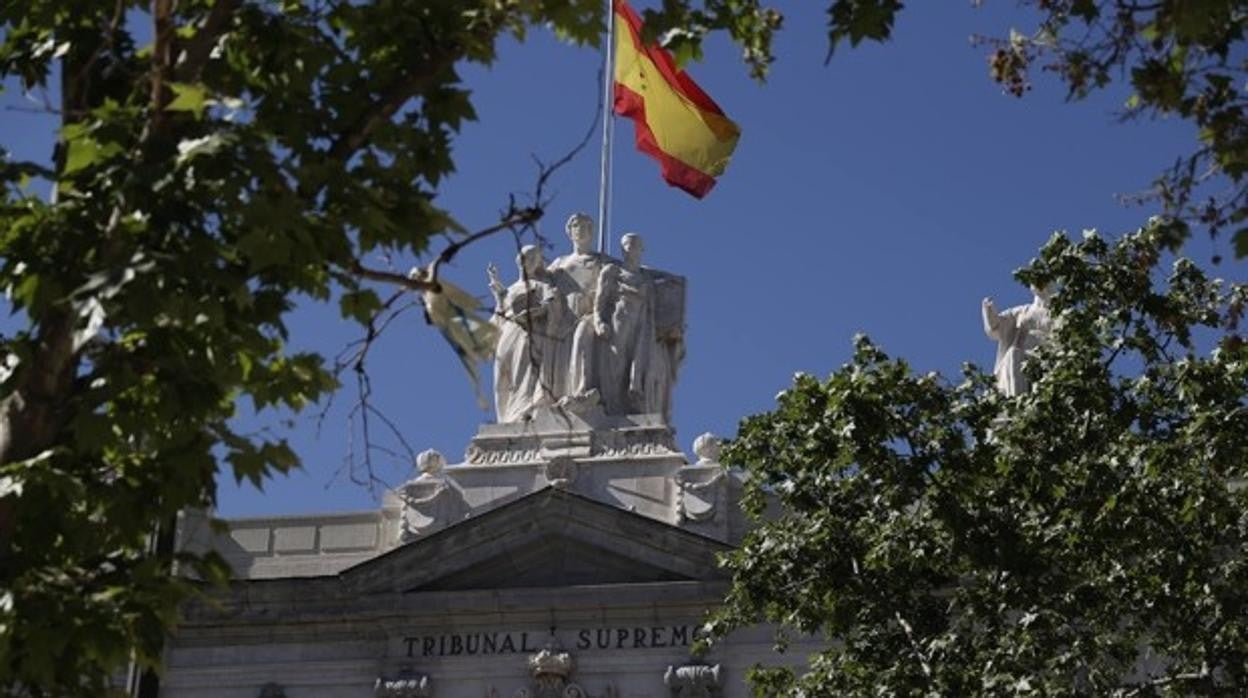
(699,493)
(700,486)
(272,690)
(560,472)
(406,685)
(551,668)
(693,680)
(431,463)
(429,501)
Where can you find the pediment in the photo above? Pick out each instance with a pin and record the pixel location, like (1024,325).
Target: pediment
(550,538)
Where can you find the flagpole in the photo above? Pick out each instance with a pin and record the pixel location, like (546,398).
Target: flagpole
(608,92)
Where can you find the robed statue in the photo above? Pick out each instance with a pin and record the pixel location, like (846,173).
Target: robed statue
(529,357)
(1017,331)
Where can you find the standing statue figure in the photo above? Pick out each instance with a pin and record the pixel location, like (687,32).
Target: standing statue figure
(1018,331)
(576,275)
(531,316)
(624,319)
(669,342)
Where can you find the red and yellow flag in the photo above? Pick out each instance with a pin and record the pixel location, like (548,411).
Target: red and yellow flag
(676,122)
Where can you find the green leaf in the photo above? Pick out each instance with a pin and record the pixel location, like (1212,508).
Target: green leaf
(188,97)
(684,46)
(1240,240)
(359,305)
(1085,10)
(84,151)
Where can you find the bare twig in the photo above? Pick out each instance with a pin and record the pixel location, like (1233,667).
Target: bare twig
(1147,686)
(520,221)
(914,645)
(515,218)
(82,76)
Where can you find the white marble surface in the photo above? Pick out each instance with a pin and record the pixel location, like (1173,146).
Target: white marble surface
(587,332)
(1017,331)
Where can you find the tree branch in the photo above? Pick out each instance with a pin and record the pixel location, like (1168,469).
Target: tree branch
(79,82)
(199,47)
(392,98)
(162,45)
(522,217)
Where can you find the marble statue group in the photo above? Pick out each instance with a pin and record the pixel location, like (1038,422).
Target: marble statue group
(586,331)
(589,333)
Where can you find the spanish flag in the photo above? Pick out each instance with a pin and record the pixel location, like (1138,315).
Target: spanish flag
(676,122)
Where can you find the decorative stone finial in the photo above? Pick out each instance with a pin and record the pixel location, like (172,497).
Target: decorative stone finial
(707,448)
(430,463)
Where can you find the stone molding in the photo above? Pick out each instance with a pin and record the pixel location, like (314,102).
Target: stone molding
(516,449)
(484,545)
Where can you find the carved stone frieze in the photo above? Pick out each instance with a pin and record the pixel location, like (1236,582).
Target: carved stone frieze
(577,440)
(503,453)
(406,685)
(693,680)
(634,442)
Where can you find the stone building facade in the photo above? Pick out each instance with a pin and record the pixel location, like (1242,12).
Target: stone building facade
(583,568)
(572,553)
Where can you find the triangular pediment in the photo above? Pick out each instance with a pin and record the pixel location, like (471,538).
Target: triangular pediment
(550,538)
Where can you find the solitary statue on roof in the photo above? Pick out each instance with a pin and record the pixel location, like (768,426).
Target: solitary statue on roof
(1018,331)
(611,333)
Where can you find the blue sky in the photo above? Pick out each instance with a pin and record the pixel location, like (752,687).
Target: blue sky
(884,193)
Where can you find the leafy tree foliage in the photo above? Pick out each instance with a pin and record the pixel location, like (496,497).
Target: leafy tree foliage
(219,159)
(216,160)
(1087,538)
